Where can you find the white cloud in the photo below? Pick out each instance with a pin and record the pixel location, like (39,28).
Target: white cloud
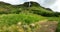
(56,6)
(32,0)
(47,3)
(14,2)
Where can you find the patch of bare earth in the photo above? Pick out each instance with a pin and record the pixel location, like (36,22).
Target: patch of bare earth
(46,26)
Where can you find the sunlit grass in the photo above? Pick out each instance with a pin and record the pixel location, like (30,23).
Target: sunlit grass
(12,22)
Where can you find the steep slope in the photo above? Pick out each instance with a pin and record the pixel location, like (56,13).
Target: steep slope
(35,8)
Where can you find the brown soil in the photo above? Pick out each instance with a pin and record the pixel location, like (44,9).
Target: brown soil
(47,26)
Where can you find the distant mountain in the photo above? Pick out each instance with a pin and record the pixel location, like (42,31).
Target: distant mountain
(3,3)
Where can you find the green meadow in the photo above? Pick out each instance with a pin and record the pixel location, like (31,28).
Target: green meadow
(19,18)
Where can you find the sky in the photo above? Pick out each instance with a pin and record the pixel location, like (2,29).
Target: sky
(52,4)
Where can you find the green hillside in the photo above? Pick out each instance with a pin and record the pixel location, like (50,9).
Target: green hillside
(35,8)
(12,16)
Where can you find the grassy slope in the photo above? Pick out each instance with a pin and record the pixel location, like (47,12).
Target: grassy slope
(7,8)
(13,19)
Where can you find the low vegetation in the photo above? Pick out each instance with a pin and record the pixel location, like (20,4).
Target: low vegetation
(13,21)
(22,18)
